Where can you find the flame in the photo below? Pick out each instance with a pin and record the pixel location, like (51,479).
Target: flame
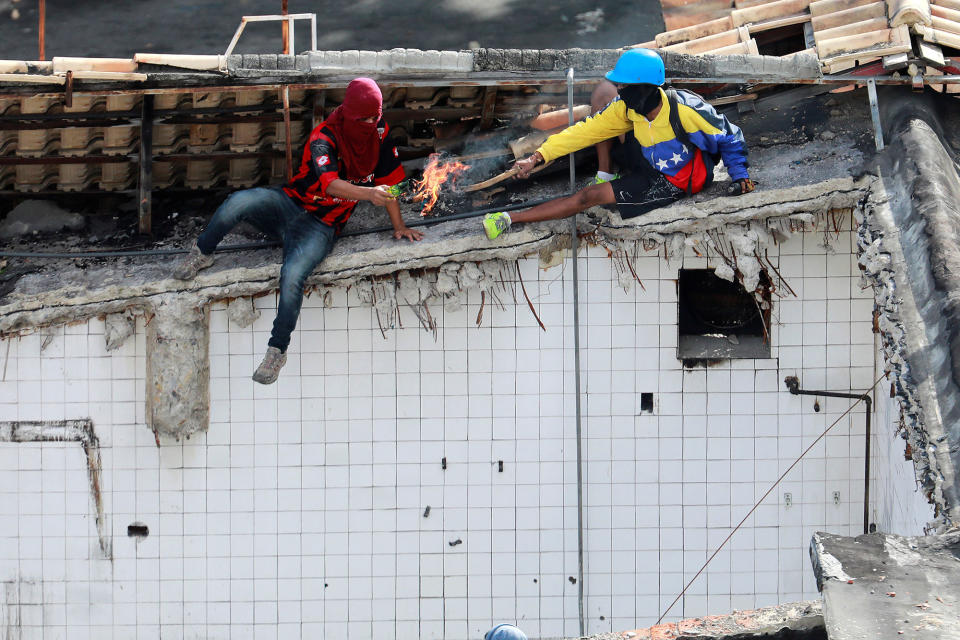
(435,174)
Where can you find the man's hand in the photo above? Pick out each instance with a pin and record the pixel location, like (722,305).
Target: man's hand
(380,195)
(408,233)
(741,186)
(525,166)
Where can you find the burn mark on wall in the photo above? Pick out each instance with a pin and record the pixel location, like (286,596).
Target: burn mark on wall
(68,431)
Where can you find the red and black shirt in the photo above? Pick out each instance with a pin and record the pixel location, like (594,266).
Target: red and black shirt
(321,166)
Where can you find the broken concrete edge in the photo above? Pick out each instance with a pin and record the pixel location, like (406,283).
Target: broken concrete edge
(349,263)
(893,234)
(80,431)
(797,617)
(885,585)
(322,66)
(178,368)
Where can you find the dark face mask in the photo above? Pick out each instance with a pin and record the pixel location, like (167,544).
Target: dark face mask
(642,98)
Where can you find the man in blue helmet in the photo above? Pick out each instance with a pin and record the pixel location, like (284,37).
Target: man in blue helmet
(673,142)
(505,632)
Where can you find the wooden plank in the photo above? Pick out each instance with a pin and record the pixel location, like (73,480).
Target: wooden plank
(708,43)
(855,28)
(767,25)
(32,78)
(743,97)
(768,11)
(122,65)
(849,16)
(908,12)
(694,32)
(930,53)
(198,63)
(114,76)
(824,7)
(489,106)
(145,183)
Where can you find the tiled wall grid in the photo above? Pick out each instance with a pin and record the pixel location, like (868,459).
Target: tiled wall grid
(319,506)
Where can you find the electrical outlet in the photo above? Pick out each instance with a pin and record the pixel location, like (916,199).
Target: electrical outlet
(788,499)
(836,497)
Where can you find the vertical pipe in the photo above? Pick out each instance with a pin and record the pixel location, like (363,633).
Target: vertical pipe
(866,469)
(43,29)
(286,28)
(145,188)
(286,129)
(576,368)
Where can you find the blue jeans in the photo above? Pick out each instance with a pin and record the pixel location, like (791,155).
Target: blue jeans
(306,242)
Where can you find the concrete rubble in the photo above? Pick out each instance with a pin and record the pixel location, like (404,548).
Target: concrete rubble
(887,586)
(794,620)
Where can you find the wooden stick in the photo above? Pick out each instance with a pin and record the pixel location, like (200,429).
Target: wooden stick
(43,28)
(509,173)
(125,65)
(286,128)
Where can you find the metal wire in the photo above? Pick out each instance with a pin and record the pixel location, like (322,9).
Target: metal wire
(769,491)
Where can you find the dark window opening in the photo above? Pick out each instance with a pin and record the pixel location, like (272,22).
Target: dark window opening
(646,403)
(138,530)
(781,41)
(718,319)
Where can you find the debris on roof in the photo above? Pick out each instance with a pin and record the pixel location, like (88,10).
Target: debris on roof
(841,33)
(886,586)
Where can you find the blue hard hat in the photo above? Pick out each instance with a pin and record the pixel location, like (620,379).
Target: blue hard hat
(505,632)
(636,66)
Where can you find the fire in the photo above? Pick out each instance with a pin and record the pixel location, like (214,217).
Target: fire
(435,174)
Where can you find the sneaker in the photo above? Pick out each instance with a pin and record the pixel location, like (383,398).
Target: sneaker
(496,223)
(269,369)
(191,264)
(606,177)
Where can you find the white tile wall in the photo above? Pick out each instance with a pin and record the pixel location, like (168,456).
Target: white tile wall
(303,512)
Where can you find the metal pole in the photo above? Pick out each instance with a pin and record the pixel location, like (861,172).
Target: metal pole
(576,367)
(793,386)
(286,130)
(286,28)
(145,188)
(43,28)
(875,113)
(866,471)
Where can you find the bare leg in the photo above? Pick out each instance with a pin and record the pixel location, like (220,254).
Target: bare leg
(591,196)
(600,98)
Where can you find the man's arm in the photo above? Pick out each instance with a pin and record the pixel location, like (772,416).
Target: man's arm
(606,124)
(380,196)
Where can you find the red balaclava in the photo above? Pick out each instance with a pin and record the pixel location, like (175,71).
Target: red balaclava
(358,141)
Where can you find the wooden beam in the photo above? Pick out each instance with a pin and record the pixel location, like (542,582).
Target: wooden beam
(31,78)
(145,184)
(13,66)
(121,65)
(489,106)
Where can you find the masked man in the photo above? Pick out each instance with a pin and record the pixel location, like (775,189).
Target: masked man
(348,158)
(672,142)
